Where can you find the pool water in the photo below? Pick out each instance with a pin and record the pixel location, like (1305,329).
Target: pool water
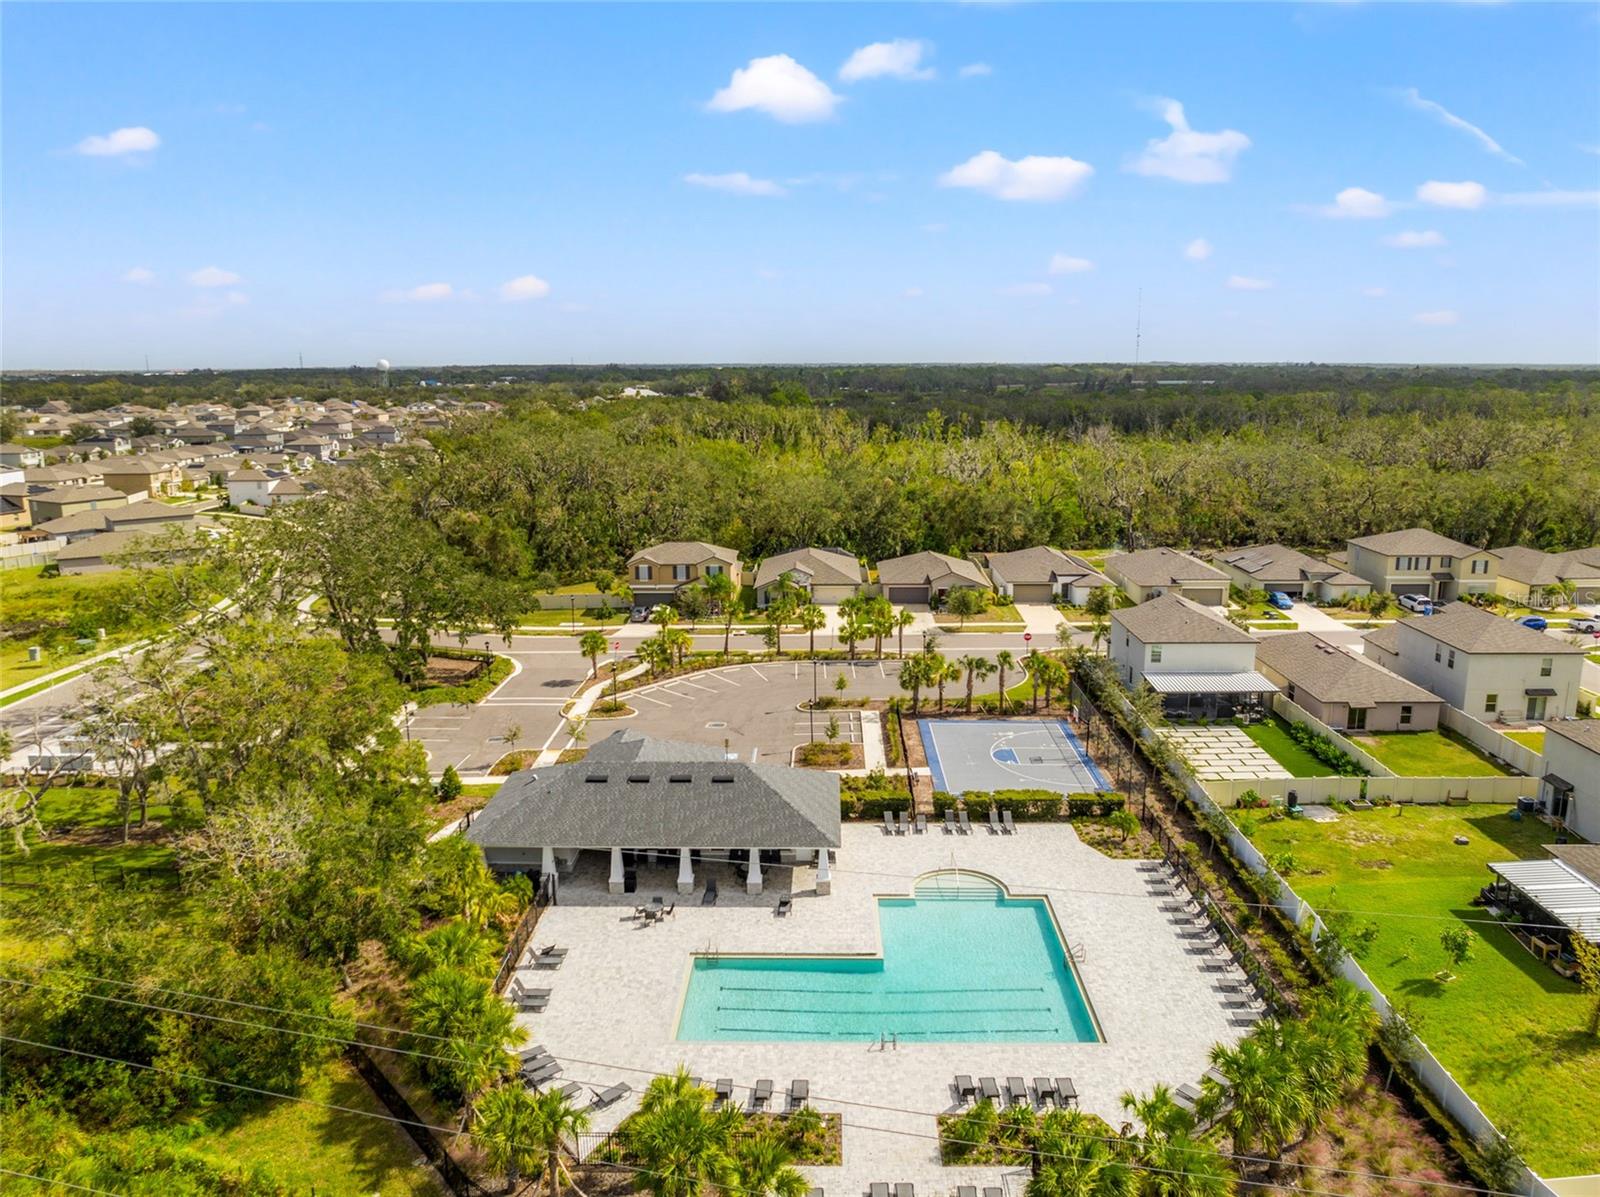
(961,962)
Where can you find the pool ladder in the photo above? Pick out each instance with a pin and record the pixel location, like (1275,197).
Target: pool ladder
(888,1041)
(1078,952)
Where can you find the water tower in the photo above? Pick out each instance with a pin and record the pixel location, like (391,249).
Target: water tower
(383,373)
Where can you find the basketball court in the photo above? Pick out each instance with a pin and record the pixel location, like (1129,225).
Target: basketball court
(1008,754)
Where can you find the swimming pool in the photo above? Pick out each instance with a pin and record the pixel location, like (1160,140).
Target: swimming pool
(962,961)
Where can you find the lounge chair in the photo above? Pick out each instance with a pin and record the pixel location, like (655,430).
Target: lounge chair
(761,1095)
(965,1089)
(570,1090)
(994,820)
(532,1053)
(546,1070)
(995,1191)
(723,1089)
(669,911)
(799,1093)
(966,1191)
(1182,1099)
(1066,1092)
(709,898)
(610,1096)
(1006,824)
(1044,1089)
(966,823)
(922,824)
(988,1088)
(1189,1093)
(784,906)
(878,1188)
(905,1189)
(903,823)
(1018,1089)
(949,821)
(1217,1078)
(550,957)
(888,822)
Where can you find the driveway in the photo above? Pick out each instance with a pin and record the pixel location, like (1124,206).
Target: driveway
(1041,619)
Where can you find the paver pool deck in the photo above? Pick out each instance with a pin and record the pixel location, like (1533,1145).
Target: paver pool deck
(613,1013)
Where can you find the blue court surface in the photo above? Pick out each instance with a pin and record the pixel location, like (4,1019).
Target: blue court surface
(1008,754)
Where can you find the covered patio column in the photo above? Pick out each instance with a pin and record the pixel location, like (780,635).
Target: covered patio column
(824,875)
(616,884)
(547,861)
(685,871)
(752,882)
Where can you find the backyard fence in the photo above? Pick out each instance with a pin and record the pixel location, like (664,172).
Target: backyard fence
(1502,747)
(28,874)
(451,1172)
(1285,709)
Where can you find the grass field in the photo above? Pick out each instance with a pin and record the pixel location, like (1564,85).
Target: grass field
(1272,736)
(1428,754)
(1533,739)
(1509,1029)
(55,613)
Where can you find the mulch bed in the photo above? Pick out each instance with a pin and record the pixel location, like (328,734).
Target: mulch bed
(451,671)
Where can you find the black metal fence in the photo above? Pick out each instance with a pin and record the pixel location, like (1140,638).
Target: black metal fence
(452,1173)
(27,874)
(520,935)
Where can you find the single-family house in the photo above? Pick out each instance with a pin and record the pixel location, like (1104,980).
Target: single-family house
(1343,688)
(1570,780)
(108,444)
(114,550)
(20,455)
(144,514)
(14,514)
(657,573)
(69,500)
(249,486)
(827,576)
(143,475)
(1491,667)
(1289,571)
(928,576)
(1526,575)
(319,448)
(1417,561)
(1043,575)
(1151,573)
(1197,661)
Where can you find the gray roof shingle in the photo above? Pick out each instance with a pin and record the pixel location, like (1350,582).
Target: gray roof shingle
(1331,674)
(1463,626)
(1162,567)
(1414,541)
(1173,619)
(826,567)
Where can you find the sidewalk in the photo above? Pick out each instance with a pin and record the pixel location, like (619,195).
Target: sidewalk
(579,709)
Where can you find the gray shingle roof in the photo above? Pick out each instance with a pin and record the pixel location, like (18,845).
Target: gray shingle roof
(1583,732)
(1331,674)
(1042,564)
(1386,638)
(1269,564)
(1465,627)
(683,552)
(1535,567)
(916,568)
(1173,619)
(827,567)
(632,791)
(1162,567)
(1414,542)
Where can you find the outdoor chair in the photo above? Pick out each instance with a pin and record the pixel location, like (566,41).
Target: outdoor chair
(878,1188)
(1217,1078)
(761,1095)
(922,824)
(1006,824)
(551,957)
(546,1070)
(1018,1089)
(669,911)
(799,1093)
(1182,1099)
(994,1191)
(949,821)
(723,1089)
(965,1089)
(994,820)
(1066,1092)
(570,1090)
(784,906)
(888,822)
(710,896)
(966,1191)
(532,1053)
(988,1088)
(966,823)
(1044,1089)
(610,1096)
(903,823)
(905,1189)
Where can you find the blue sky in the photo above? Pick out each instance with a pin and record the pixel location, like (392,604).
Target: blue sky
(233,185)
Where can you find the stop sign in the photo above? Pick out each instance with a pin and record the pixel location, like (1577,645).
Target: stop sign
(616,646)
(1027,636)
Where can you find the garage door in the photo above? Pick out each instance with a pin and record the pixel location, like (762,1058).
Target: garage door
(1037,592)
(1418,588)
(908,594)
(1206,596)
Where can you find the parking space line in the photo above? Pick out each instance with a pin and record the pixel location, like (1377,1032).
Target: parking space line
(686,682)
(763,676)
(657,701)
(721,677)
(678,694)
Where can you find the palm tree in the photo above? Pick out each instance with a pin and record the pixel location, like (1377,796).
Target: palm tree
(1182,1166)
(672,1087)
(456,944)
(655,654)
(504,1125)
(1033,663)
(914,674)
(682,1146)
(850,632)
(903,620)
(1003,660)
(813,619)
(1076,1162)
(677,642)
(949,671)
(764,1167)
(934,666)
(591,645)
(555,1121)
(719,591)
(1159,1114)
(470,1032)
(1268,1100)
(663,616)
(977,668)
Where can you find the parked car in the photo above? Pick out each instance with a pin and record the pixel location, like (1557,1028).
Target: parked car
(1280,600)
(640,614)
(1585,625)
(1537,622)
(1420,604)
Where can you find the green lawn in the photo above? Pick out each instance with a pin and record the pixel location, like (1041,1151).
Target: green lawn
(1509,1029)
(1533,739)
(1428,754)
(1272,736)
(553,617)
(55,613)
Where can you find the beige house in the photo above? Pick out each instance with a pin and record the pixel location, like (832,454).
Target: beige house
(657,573)
(1043,575)
(143,475)
(1199,662)
(927,577)
(1490,667)
(1526,574)
(1289,571)
(1417,561)
(1344,689)
(70,500)
(1570,785)
(828,576)
(1151,573)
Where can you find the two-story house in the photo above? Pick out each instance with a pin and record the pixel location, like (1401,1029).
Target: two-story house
(657,573)
(143,475)
(1491,667)
(827,576)
(50,505)
(928,576)
(1417,561)
(20,456)
(1197,661)
(1151,573)
(1570,781)
(1043,575)
(1289,571)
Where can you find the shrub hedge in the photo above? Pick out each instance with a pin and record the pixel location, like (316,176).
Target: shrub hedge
(1031,805)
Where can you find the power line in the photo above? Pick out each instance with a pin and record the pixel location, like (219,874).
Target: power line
(50,1180)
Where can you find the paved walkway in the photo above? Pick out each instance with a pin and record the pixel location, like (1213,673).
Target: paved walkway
(1227,754)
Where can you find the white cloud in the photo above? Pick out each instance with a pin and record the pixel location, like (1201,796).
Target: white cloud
(1187,155)
(524,286)
(1452,195)
(1416,100)
(1440,319)
(1026,289)
(213,276)
(1066,264)
(1374,292)
(899,59)
(780,87)
(736,183)
(1197,250)
(912,293)
(1357,203)
(1032,178)
(1415,239)
(1553,198)
(423,293)
(135,139)
(1240,282)
(139,274)
(976,70)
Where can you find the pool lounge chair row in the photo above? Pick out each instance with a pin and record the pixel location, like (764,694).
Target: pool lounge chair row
(1000,822)
(1059,1090)
(549,956)
(902,822)
(760,1092)
(972,1191)
(526,999)
(881,1189)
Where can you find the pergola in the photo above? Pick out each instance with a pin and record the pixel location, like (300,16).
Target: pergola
(1565,895)
(641,796)
(1213,695)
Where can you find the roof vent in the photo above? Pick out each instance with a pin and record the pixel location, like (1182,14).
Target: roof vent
(680,778)
(597,778)
(638,778)
(722,779)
